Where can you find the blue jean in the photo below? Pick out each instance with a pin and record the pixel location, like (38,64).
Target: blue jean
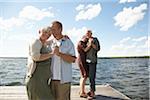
(91,67)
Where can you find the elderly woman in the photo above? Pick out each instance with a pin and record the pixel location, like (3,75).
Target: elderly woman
(39,71)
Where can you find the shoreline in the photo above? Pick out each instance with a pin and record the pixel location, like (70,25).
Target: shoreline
(98,57)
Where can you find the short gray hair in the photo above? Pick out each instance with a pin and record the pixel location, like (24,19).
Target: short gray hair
(46,29)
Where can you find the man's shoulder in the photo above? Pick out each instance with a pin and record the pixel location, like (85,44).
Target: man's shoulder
(69,41)
(95,39)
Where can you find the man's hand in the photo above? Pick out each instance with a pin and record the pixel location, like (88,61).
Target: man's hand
(56,51)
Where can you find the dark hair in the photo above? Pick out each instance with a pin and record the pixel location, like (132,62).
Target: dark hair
(58,23)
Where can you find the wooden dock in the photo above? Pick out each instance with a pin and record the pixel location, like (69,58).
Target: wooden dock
(103,92)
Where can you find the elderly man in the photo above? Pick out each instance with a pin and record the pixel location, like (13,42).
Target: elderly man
(91,60)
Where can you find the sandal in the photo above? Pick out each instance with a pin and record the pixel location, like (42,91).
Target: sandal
(83,95)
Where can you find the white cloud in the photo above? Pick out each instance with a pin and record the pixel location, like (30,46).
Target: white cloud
(124,1)
(16,45)
(129,17)
(140,39)
(14,48)
(117,47)
(147,44)
(131,47)
(30,25)
(29,13)
(88,12)
(125,40)
(76,34)
(80,7)
(33,13)
(6,24)
(21,37)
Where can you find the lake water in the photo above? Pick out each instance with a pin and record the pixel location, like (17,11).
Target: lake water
(128,75)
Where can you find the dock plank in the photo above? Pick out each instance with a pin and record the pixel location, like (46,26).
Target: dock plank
(103,92)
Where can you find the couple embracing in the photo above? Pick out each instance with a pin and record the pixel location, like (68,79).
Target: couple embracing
(87,48)
(49,72)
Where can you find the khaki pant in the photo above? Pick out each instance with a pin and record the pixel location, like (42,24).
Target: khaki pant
(60,91)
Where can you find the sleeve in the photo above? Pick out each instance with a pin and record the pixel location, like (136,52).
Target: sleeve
(96,42)
(35,48)
(71,48)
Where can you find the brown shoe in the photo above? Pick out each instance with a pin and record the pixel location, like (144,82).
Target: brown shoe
(91,94)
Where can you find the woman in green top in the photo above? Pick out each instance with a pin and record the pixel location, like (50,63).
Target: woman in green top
(39,71)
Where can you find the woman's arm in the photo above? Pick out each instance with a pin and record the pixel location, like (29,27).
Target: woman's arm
(45,56)
(35,48)
(90,45)
(87,48)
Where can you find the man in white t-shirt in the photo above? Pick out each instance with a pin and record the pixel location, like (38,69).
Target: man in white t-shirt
(64,56)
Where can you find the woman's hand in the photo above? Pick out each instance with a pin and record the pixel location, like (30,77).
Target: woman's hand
(90,41)
(51,53)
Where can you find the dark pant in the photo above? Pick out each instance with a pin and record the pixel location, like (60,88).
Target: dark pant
(92,75)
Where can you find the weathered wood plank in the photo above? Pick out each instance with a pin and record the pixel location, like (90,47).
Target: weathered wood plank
(103,92)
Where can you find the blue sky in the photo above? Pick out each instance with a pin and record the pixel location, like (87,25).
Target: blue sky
(120,25)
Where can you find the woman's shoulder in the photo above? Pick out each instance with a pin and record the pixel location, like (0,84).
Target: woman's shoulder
(35,41)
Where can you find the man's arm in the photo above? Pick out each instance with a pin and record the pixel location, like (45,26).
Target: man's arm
(66,57)
(97,44)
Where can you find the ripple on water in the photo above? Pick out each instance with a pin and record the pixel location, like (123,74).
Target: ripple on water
(129,76)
